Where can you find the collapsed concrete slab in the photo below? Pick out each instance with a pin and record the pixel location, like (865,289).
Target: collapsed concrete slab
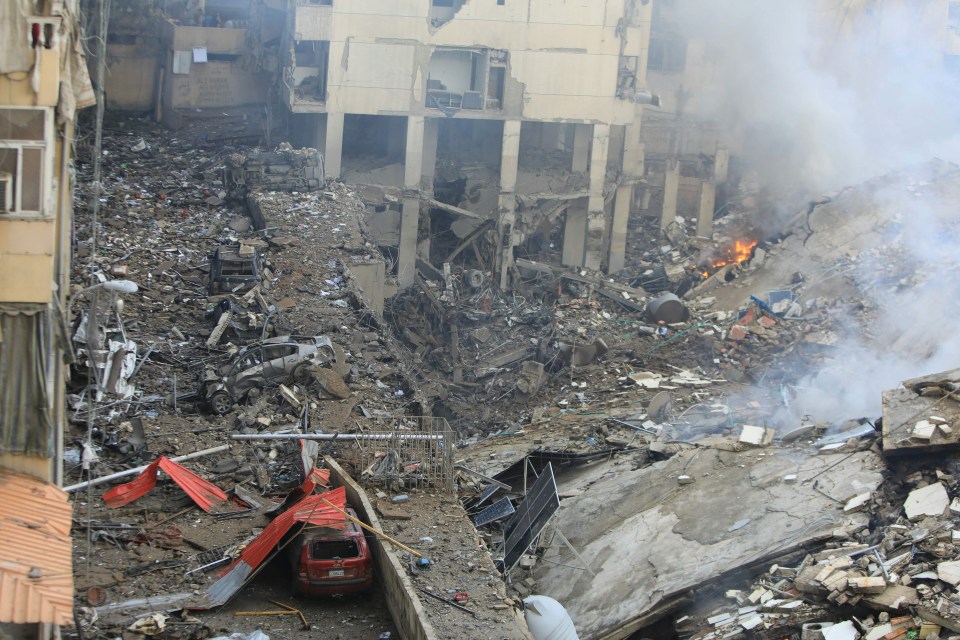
(917,416)
(651,541)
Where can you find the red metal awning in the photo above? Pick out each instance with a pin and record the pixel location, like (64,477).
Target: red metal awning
(205,494)
(36,569)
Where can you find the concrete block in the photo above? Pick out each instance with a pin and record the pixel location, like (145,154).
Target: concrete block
(856,503)
(879,631)
(824,574)
(931,500)
(923,430)
(840,631)
(868,585)
(756,436)
(949,572)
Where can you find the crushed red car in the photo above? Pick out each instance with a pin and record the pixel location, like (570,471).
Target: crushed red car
(331,560)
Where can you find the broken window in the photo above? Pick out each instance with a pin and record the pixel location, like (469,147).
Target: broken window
(25,424)
(330,549)
(668,53)
(466,79)
(310,69)
(23,135)
(442,11)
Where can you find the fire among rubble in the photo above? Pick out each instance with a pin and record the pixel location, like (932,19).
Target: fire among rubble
(739,252)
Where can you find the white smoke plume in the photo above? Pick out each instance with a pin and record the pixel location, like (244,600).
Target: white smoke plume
(824,94)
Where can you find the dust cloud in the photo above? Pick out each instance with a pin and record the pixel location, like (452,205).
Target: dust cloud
(827,94)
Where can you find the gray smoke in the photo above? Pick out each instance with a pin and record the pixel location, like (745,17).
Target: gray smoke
(826,94)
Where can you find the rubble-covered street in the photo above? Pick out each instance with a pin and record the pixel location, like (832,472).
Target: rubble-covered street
(470,320)
(643,422)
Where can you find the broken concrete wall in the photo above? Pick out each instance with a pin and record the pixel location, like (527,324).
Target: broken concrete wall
(204,67)
(385,65)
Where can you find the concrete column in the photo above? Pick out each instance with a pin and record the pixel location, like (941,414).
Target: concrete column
(633,150)
(708,202)
(596,216)
(333,145)
(581,147)
(413,163)
(510,155)
(431,133)
(407,260)
(671,191)
(575,234)
(721,164)
(509,165)
(618,231)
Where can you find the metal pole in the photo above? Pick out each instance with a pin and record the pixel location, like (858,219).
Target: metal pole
(136,470)
(332,436)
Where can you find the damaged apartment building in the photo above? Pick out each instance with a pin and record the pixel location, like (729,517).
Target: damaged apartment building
(502,115)
(493,119)
(43,81)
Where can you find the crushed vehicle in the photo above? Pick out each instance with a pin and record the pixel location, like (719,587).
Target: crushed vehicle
(233,271)
(273,361)
(332,560)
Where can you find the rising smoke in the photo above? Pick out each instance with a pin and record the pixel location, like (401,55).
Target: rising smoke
(826,94)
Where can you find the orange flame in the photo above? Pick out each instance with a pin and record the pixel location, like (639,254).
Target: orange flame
(737,254)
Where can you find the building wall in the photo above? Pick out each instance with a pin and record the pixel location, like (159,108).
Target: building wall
(562,64)
(224,80)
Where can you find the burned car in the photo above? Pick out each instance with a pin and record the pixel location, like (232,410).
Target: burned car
(273,361)
(233,271)
(332,560)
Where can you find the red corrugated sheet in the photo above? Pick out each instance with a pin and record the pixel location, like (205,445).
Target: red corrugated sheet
(311,509)
(36,566)
(205,494)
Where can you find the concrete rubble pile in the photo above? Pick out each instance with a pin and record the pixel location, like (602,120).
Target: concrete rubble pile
(163,217)
(652,394)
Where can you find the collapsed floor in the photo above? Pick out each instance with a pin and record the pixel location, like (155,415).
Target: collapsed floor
(568,365)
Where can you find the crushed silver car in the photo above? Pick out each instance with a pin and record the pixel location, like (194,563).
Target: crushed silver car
(273,361)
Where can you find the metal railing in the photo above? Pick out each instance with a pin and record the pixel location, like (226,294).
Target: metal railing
(407,451)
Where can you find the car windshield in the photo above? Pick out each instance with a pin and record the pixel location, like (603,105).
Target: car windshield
(331,549)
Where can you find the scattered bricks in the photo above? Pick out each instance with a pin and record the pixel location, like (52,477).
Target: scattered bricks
(754,597)
(748,316)
(837,581)
(806,582)
(824,574)
(868,585)
(766,321)
(841,562)
(737,332)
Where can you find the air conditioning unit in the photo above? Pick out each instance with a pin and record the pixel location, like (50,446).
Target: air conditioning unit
(6,192)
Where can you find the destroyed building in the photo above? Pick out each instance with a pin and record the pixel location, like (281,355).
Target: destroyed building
(593,316)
